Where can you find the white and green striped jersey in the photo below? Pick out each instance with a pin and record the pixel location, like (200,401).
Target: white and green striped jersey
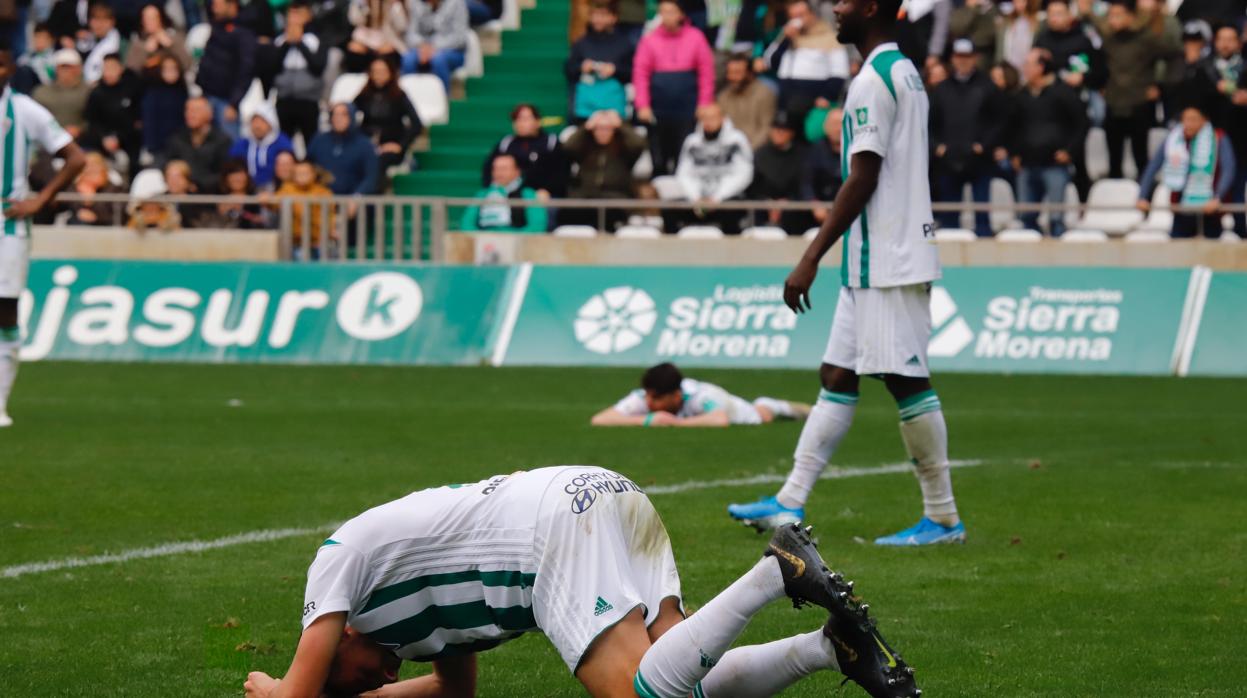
(23,122)
(441,572)
(893,242)
(700,397)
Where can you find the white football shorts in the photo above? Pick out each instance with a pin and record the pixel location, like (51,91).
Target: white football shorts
(14,265)
(601,551)
(882,330)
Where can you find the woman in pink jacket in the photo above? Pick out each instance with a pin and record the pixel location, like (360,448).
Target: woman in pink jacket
(673,74)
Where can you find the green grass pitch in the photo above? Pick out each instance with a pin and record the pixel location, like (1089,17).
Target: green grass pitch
(1107,549)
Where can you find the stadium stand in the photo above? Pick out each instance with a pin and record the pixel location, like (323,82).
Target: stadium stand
(521,58)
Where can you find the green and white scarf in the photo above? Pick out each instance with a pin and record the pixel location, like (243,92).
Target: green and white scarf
(1190,170)
(496,213)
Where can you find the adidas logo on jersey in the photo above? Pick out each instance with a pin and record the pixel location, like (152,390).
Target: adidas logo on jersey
(602,606)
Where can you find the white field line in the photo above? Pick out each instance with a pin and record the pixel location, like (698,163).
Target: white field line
(272,534)
(831,473)
(163,550)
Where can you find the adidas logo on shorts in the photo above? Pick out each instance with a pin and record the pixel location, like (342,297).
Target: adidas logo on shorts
(602,606)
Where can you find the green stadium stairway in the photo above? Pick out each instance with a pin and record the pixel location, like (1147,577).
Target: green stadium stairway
(529,69)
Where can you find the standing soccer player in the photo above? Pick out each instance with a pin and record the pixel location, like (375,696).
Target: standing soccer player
(22,122)
(883,320)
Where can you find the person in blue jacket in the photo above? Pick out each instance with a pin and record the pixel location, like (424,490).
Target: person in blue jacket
(259,148)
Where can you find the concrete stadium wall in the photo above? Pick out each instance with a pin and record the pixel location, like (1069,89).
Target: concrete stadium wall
(196,245)
(495,248)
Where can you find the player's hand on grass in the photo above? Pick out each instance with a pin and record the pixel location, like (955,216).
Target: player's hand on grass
(797,286)
(663,419)
(259,685)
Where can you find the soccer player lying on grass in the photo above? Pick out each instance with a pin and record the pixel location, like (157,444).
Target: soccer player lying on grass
(667,398)
(575,552)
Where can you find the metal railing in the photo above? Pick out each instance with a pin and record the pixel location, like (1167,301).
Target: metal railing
(413,228)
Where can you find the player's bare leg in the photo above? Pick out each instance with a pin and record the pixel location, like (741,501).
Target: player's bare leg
(771,409)
(926,439)
(828,421)
(610,665)
(10,345)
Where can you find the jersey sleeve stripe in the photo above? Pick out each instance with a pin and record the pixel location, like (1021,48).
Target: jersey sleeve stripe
(882,65)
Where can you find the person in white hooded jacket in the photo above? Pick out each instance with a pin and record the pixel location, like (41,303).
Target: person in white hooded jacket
(716,165)
(259,147)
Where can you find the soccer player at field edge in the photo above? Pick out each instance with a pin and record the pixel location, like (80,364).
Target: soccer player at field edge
(22,122)
(883,320)
(666,398)
(580,554)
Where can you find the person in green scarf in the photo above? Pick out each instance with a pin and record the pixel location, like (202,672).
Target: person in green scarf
(494,214)
(1196,163)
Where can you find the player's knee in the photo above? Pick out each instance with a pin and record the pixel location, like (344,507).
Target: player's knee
(902,387)
(8,312)
(837,379)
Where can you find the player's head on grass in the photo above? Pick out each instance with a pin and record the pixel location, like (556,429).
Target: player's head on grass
(661,384)
(859,19)
(360,665)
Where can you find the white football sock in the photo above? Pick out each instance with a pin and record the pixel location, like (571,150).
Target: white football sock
(926,438)
(782,409)
(827,424)
(10,344)
(757,671)
(686,652)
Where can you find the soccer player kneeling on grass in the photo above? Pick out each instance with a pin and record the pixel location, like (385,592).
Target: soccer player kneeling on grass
(577,553)
(667,398)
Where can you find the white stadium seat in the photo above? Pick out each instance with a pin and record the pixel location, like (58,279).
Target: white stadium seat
(644,167)
(510,17)
(1160,217)
(197,39)
(148,183)
(347,87)
(575,231)
(1097,154)
(428,95)
(1002,200)
(1147,236)
(764,232)
(473,59)
(669,188)
(1083,235)
(1019,235)
(1120,195)
(700,232)
(638,232)
(811,233)
(955,235)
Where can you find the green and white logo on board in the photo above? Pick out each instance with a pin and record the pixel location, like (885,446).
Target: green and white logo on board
(219,312)
(695,315)
(1064,320)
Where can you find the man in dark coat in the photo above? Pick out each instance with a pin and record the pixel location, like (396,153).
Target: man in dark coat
(966,127)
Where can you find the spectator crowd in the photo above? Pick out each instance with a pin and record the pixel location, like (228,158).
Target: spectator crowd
(735,100)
